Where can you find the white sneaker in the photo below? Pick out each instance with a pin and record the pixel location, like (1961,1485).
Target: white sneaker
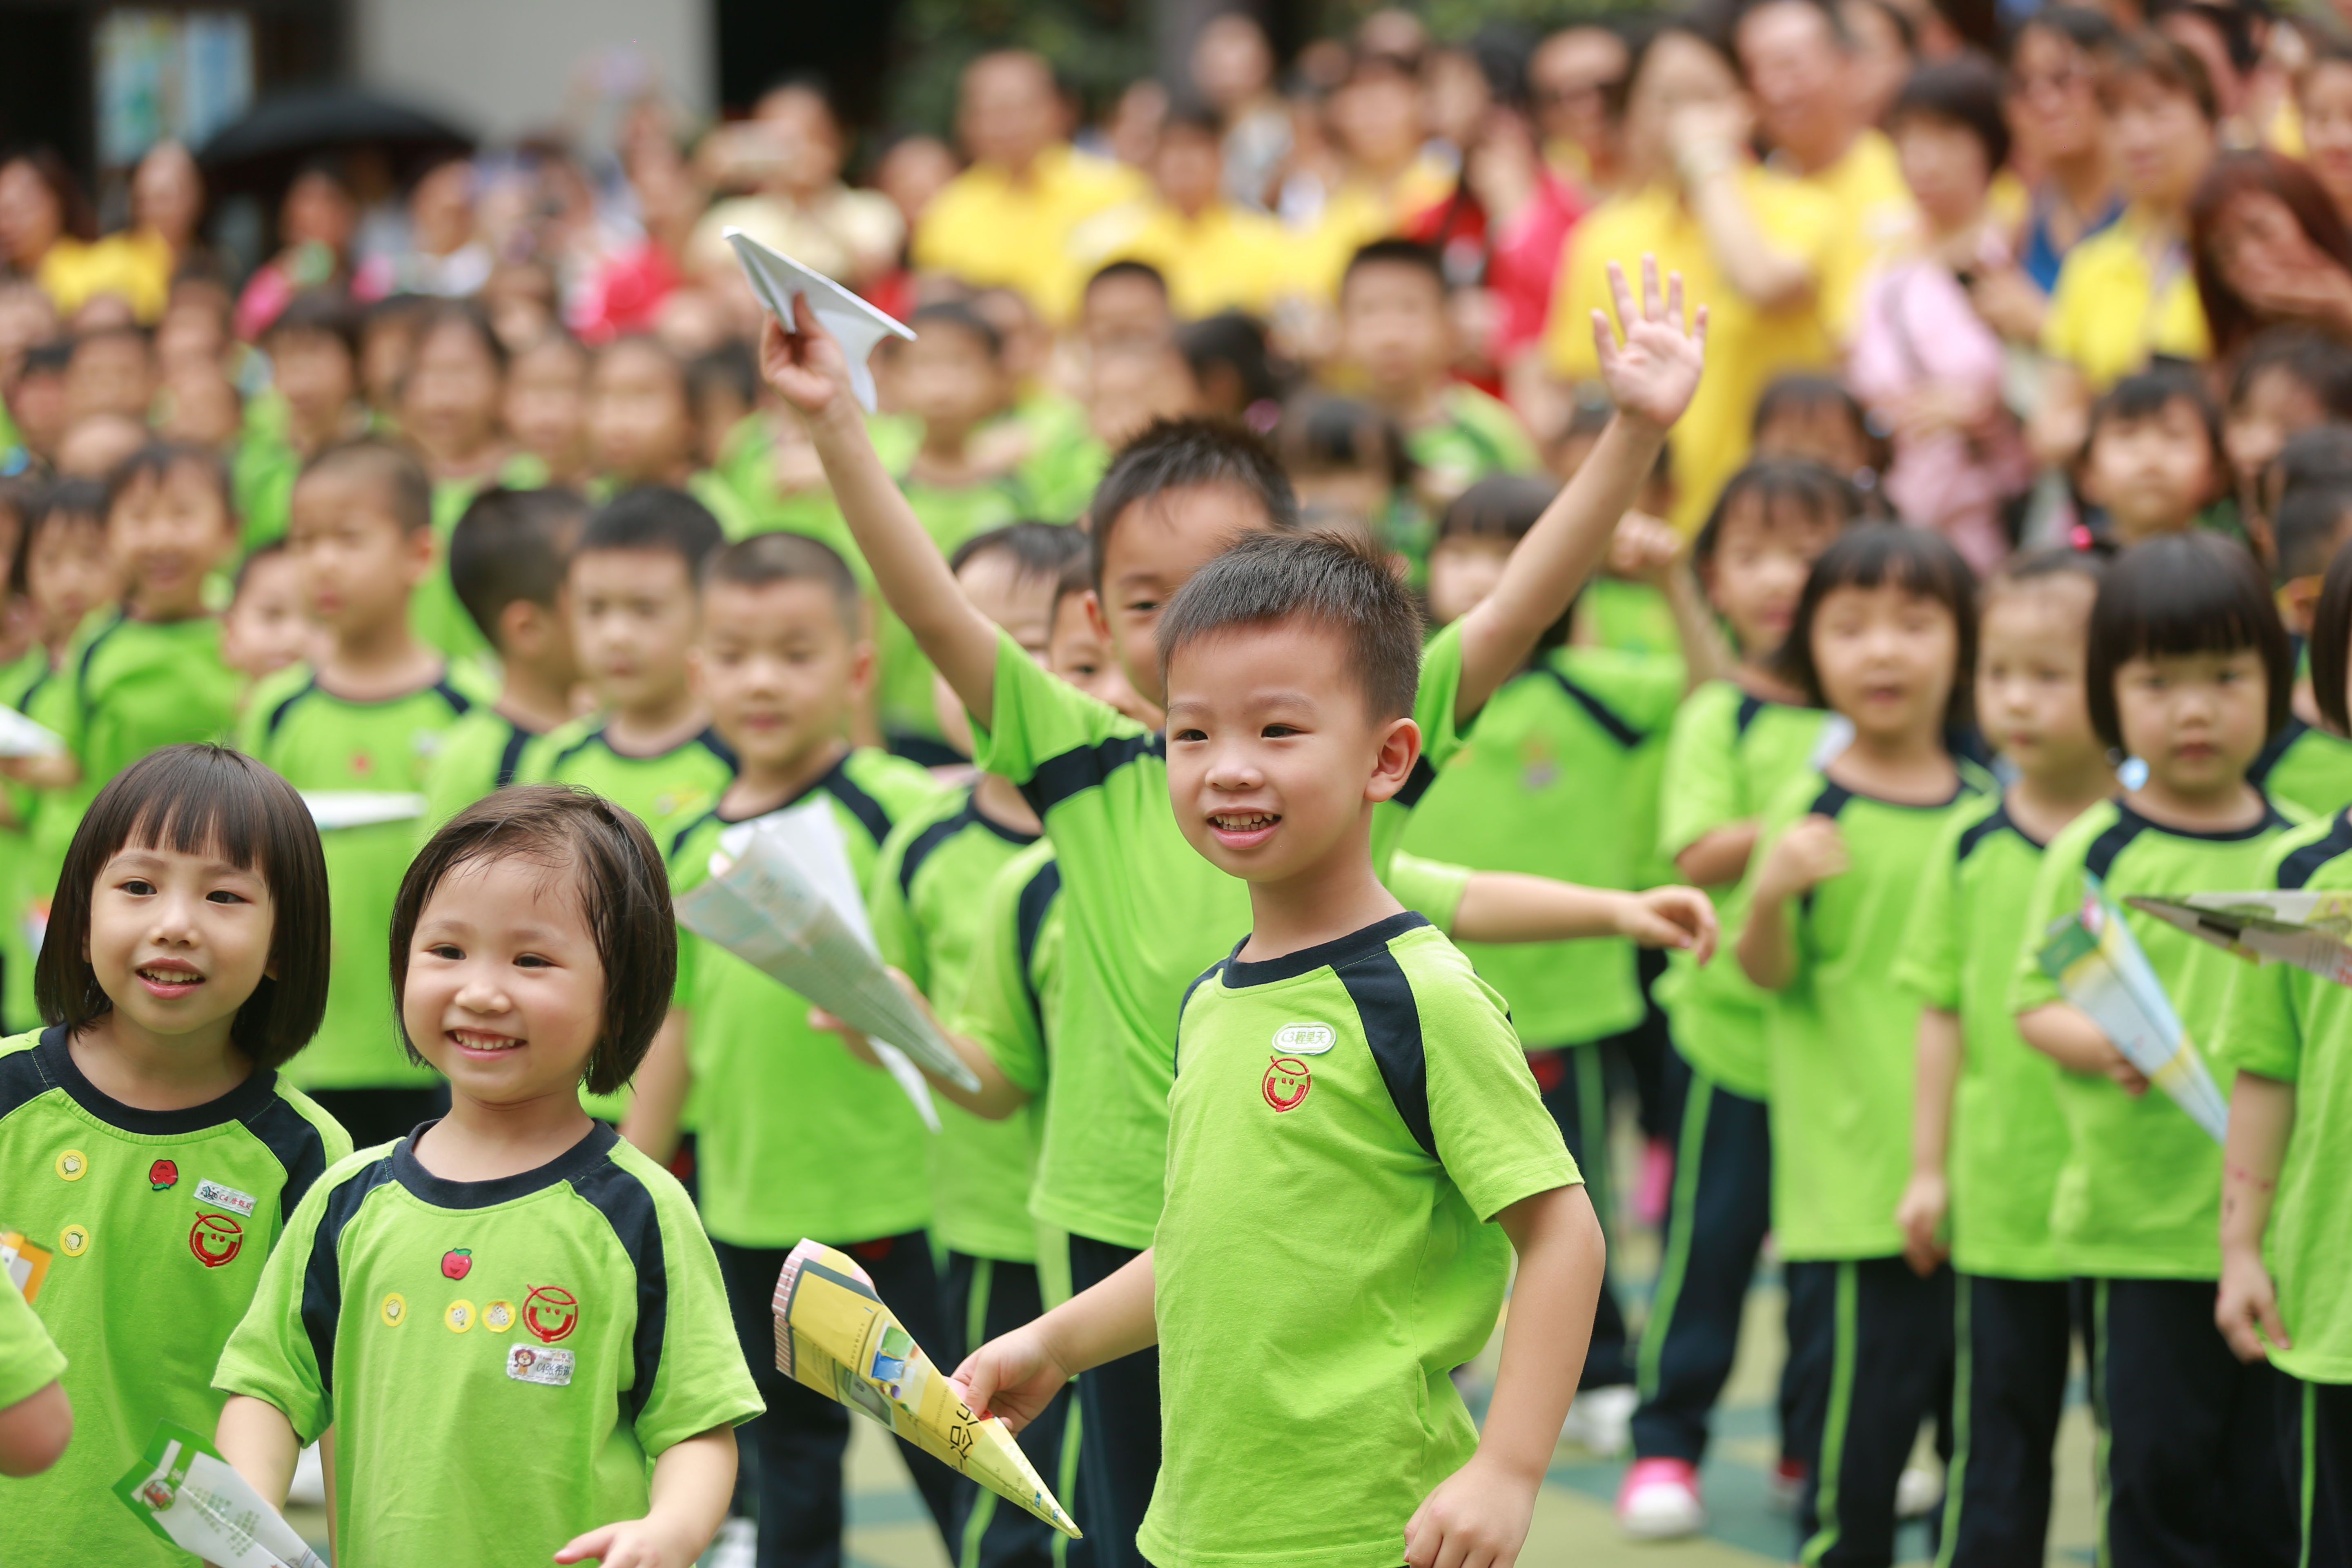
(1659,1500)
(737,1545)
(308,1487)
(1917,1492)
(1601,1420)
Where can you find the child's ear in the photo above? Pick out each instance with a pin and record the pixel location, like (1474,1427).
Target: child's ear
(1097,619)
(861,669)
(1392,763)
(418,551)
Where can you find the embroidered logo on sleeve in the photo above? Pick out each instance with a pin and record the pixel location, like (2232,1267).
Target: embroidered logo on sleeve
(1287,1083)
(550,1368)
(220,1194)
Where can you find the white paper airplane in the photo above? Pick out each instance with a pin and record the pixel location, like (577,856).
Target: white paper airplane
(859,326)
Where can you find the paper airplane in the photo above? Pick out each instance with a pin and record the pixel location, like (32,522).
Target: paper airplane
(20,737)
(857,325)
(2303,927)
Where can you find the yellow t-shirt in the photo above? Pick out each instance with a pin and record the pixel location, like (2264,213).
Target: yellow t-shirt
(2114,306)
(989,229)
(1227,258)
(1746,346)
(1867,190)
(1359,212)
(136,265)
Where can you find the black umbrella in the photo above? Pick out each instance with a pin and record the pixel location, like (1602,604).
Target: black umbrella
(261,152)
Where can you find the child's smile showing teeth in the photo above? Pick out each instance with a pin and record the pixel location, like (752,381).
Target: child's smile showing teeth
(483,1042)
(1243,829)
(168,979)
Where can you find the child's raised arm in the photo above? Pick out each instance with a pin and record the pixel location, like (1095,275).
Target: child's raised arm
(807,368)
(1652,377)
(1477,1517)
(692,1481)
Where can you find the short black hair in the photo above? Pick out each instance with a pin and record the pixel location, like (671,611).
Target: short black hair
(1802,390)
(786,557)
(2184,594)
(1041,550)
(2092,31)
(1236,342)
(1336,581)
(731,367)
(624,889)
(1187,454)
(512,544)
(1394,252)
(1127,267)
(2303,533)
(322,312)
(2321,364)
(1320,435)
(466,315)
(2147,393)
(1503,508)
(2040,566)
(407,489)
(1877,554)
(57,504)
(1964,90)
(2331,643)
(267,551)
(2171,66)
(654,518)
(194,799)
(158,458)
(957,316)
(1779,484)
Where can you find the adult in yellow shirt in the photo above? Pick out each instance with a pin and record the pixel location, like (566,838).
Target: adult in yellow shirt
(1007,219)
(1752,245)
(1799,61)
(1214,254)
(1378,119)
(2129,291)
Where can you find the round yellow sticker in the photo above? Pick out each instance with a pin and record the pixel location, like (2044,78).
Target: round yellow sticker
(74,1240)
(73,1165)
(497,1316)
(394,1311)
(458,1317)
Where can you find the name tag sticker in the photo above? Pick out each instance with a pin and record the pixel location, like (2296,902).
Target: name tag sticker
(536,1363)
(219,1196)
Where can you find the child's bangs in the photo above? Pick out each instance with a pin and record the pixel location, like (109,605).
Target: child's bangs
(1783,492)
(2190,612)
(1908,559)
(199,800)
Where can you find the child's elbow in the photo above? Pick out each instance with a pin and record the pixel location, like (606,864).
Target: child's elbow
(34,1432)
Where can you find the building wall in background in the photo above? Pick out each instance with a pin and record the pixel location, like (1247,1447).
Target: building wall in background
(504,66)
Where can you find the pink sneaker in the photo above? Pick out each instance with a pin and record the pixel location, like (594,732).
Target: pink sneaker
(1659,1500)
(1656,1186)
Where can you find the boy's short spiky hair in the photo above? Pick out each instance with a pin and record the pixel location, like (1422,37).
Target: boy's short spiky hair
(157,458)
(785,557)
(609,860)
(407,488)
(1186,454)
(1335,581)
(198,800)
(1039,549)
(512,544)
(2184,594)
(656,518)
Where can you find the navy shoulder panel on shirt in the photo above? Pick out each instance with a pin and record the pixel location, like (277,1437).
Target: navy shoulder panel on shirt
(1176,1058)
(1417,783)
(301,1148)
(860,805)
(2273,749)
(1984,827)
(459,703)
(621,1197)
(677,840)
(277,714)
(89,653)
(594,734)
(2298,870)
(1601,714)
(323,1274)
(1036,897)
(21,1081)
(510,754)
(718,747)
(1081,768)
(2100,857)
(928,839)
(1831,801)
(1745,714)
(1376,983)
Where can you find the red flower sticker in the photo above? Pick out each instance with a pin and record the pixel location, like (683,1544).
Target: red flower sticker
(162,1173)
(457,1261)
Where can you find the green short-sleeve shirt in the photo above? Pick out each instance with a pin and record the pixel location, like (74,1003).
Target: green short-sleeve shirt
(2008,1136)
(27,873)
(1728,755)
(1842,1036)
(1561,743)
(2305,766)
(136,685)
(1013,987)
(29,1359)
(317,740)
(1347,1121)
(479,756)
(158,1225)
(928,901)
(797,1138)
(666,790)
(2287,1023)
(501,1360)
(1148,914)
(2139,1195)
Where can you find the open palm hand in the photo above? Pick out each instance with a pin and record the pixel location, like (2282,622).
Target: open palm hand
(1654,371)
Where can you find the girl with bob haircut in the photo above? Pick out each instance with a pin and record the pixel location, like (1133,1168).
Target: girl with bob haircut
(534,949)
(2188,674)
(147,1144)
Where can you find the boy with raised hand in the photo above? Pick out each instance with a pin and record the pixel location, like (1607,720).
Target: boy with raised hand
(370,714)
(634,610)
(1146,913)
(794,1138)
(507,559)
(1346,1049)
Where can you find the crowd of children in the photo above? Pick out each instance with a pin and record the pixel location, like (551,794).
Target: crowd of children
(1375,814)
